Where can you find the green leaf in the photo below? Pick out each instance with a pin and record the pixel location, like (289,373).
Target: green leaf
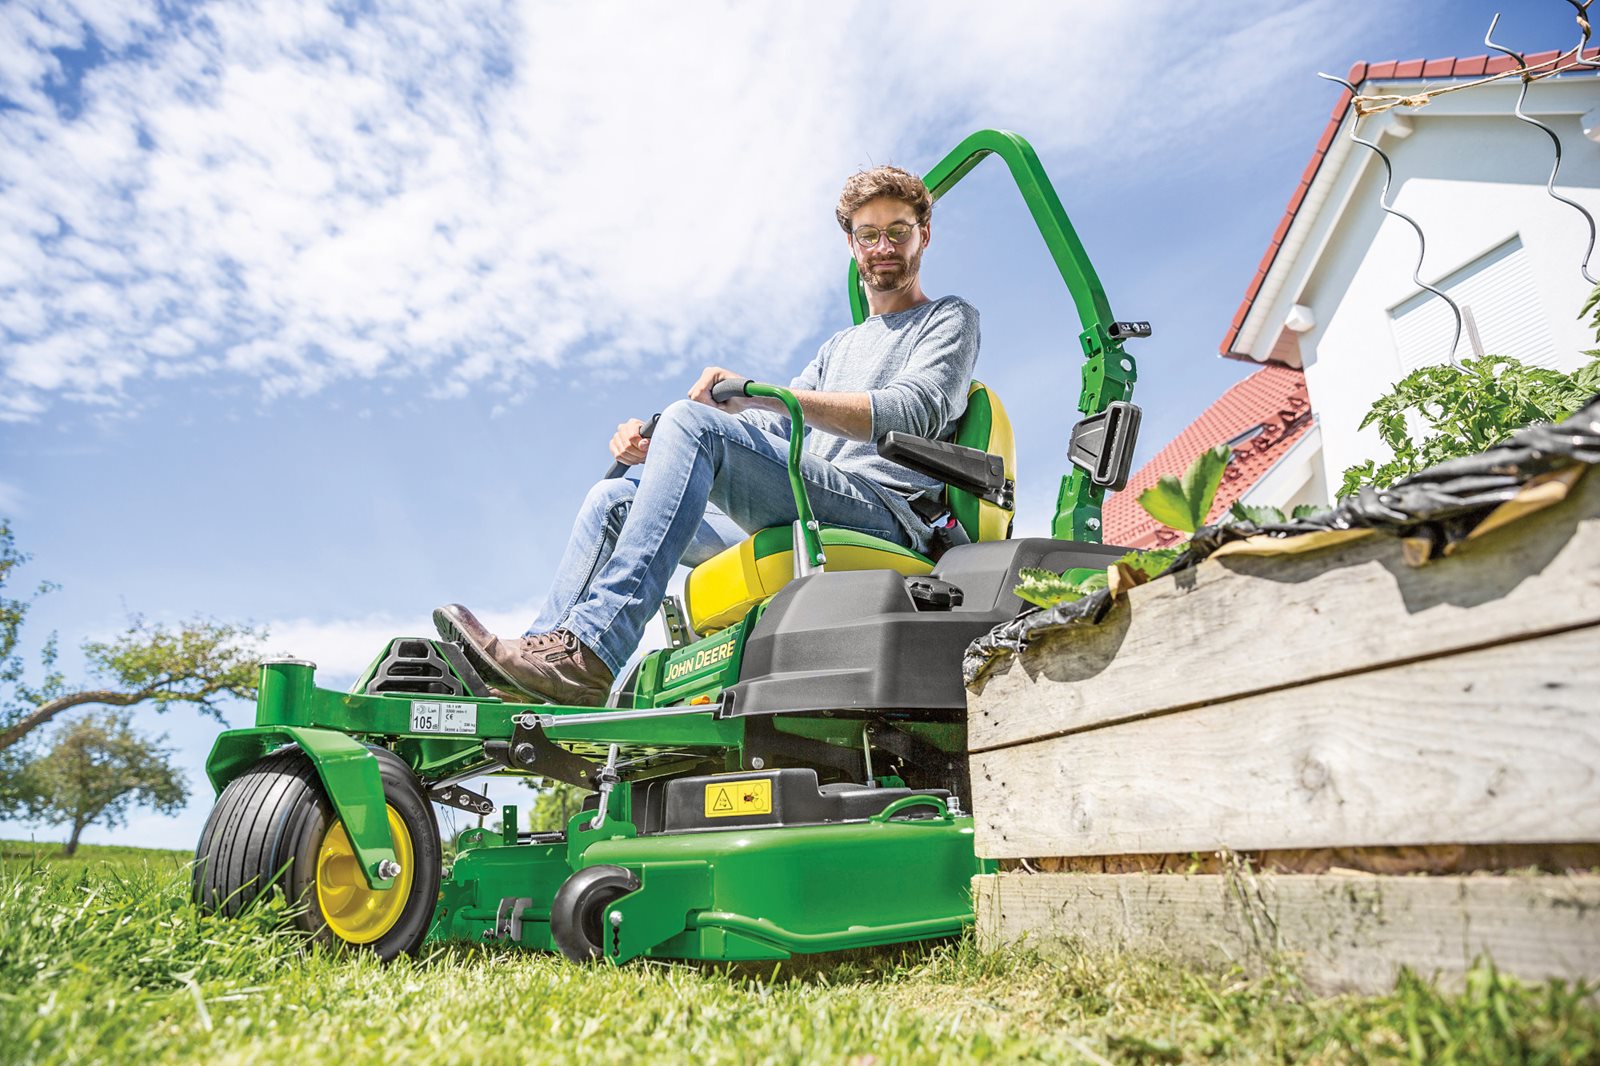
(1590,305)
(1306,510)
(1261,516)
(1152,562)
(1046,588)
(1094,582)
(1079,574)
(1183,504)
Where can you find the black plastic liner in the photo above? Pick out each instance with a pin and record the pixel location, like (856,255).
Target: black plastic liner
(1433,510)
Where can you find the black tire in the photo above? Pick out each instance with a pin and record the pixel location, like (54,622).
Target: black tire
(272,826)
(580,901)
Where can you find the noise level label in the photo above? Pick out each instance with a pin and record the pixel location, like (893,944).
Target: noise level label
(728,799)
(431,716)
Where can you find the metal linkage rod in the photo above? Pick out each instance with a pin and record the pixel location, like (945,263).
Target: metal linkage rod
(1383,202)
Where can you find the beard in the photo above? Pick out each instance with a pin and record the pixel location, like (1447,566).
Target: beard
(890,280)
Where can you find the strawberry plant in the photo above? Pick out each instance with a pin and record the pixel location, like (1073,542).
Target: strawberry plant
(1179,502)
(1183,503)
(1267,515)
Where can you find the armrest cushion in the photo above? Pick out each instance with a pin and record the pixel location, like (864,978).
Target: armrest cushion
(976,471)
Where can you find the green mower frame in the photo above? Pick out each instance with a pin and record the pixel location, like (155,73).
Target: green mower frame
(714,831)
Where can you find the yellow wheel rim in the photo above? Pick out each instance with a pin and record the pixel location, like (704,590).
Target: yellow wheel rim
(358,914)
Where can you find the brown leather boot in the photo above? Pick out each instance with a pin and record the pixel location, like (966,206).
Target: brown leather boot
(551,666)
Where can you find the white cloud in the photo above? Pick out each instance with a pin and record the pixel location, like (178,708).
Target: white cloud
(343,647)
(485,191)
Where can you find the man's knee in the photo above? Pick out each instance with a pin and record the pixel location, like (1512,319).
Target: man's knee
(695,420)
(609,495)
(608,502)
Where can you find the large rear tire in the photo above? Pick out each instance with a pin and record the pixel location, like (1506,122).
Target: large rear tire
(575,912)
(274,828)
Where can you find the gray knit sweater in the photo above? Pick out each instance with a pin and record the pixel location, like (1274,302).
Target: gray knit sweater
(914,366)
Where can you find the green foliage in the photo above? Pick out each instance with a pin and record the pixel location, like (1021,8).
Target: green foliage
(1046,588)
(198,662)
(1179,503)
(1184,503)
(1465,411)
(15,696)
(1152,561)
(96,771)
(103,856)
(112,963)
(1260,515)
(14,611)
(554,802)
(1267,515)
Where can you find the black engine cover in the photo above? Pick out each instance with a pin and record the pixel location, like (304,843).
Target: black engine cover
(856,640)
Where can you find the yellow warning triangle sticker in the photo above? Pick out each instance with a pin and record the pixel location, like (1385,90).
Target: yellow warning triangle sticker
(723,802)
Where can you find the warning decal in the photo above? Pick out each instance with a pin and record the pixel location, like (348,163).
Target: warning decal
(727,799)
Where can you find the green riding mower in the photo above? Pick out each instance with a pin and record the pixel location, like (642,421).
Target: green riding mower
(788,777)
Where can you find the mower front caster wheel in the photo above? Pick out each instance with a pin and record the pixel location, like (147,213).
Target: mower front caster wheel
(580,902)
(274,827)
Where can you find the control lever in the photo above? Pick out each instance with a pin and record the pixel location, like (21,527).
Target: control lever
(618,467)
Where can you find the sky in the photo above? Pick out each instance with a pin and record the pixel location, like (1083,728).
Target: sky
(318,316)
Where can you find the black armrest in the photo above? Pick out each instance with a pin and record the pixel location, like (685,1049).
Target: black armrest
(976,471)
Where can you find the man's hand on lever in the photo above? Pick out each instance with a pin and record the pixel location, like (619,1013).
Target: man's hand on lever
(844,414)
(700,392)
(629,444)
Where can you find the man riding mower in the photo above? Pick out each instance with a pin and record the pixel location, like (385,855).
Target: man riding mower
(790,775)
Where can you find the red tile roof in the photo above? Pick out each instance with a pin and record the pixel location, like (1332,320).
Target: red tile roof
(1274,397)
(1407,70)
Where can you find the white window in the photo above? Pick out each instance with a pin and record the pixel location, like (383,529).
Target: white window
(1501,305)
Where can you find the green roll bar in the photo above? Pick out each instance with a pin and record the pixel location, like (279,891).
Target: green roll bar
(1108,371)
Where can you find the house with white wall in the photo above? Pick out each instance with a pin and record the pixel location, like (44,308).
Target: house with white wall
(1334,295)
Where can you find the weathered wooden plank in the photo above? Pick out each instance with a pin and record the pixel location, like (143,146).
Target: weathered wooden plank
(1234,626)
(1499,745)
(1345,933)
(1560,858)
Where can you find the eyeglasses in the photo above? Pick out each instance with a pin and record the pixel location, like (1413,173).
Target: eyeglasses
(897,232)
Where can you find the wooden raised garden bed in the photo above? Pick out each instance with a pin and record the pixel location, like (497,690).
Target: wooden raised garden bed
(1330,754)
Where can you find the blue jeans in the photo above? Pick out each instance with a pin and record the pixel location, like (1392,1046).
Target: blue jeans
(710,480)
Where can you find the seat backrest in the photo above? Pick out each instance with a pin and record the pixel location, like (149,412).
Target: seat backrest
(984,425)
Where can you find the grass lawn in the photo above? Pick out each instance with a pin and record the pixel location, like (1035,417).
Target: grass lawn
(102,959)
(24,851)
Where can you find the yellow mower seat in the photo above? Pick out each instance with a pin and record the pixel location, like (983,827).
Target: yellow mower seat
(721,590)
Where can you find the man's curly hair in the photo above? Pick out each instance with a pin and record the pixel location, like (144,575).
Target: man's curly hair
(883,181)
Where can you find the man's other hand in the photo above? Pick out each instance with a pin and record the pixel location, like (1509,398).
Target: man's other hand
(700,391)
(629,444)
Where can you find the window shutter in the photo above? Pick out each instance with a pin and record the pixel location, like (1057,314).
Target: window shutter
(1498,289)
